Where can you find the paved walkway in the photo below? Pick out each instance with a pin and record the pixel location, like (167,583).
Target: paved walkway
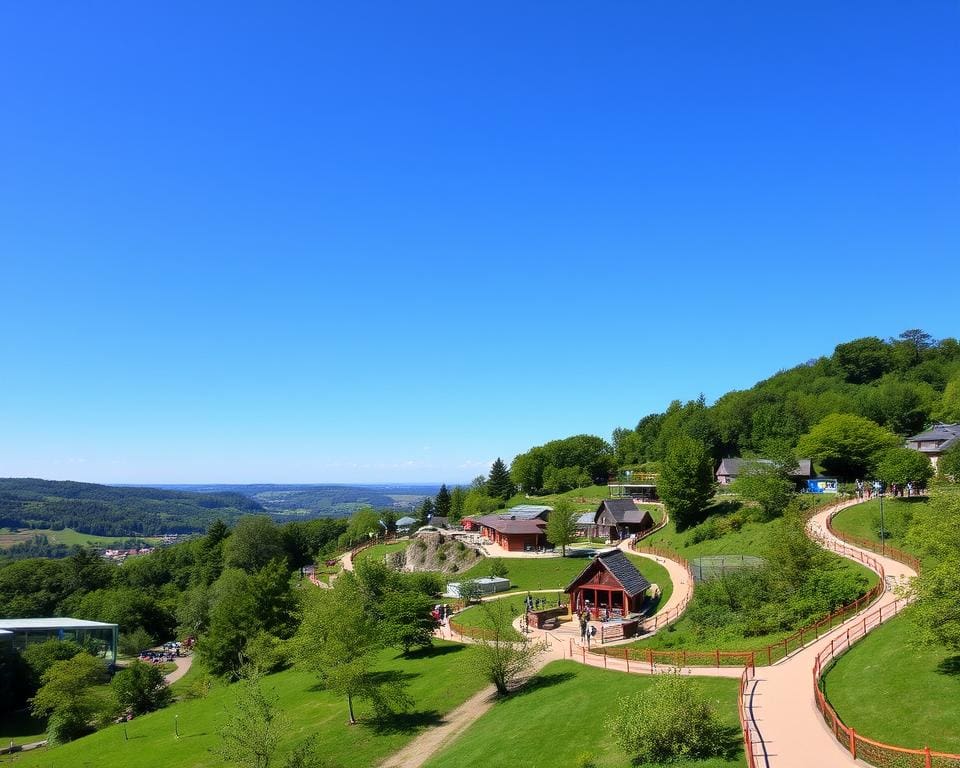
(183,666)
(782,704)
(789,730)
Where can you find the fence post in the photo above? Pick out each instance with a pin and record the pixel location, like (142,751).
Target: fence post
(853,742)
(926,758)
(769,656)
(650,658)
(718,657)
(626,657)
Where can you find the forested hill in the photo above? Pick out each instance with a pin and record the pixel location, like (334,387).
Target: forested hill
(901,384)
(114,511)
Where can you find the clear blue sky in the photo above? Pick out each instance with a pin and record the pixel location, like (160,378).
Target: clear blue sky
(306,242)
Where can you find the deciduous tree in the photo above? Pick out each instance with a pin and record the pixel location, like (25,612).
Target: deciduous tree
(562,525)
(903,465)
(67,697)
(686,480)
(254,727)
(670,720)
(501,656)
(847,446)
(140,688)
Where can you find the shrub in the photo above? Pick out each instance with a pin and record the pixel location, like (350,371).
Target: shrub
(131,643)
(140,688)
(668,720)
(498,567)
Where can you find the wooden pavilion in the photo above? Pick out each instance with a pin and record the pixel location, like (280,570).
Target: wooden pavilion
(609,585)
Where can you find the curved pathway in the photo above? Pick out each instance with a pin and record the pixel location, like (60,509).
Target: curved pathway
(788,730)
(183,666)
(781,703)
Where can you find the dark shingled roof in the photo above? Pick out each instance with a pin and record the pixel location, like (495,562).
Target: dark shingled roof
(620,567)
(624,511)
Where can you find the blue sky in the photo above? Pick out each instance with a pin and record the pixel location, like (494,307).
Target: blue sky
(307,242)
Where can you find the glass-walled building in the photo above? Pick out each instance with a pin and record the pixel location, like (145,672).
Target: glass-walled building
(95,637)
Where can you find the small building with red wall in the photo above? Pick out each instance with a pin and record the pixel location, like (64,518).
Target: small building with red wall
(513,533)
(609,583)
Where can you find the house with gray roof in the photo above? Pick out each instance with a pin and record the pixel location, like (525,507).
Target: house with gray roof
(610,583)
(936,441)
(730,469)
(617,519)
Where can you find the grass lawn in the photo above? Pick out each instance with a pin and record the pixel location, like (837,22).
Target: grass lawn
(751,539)
(379,551)
(532,573)
(863,520)
(560,715)
(892,692)
(21,728)
(440,679)
(67,537)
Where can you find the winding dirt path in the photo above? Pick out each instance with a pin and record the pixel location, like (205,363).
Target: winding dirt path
(418,751)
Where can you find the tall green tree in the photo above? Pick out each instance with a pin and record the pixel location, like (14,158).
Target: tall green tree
(458,500)
(935,532)
(254,542)
(949,464)
(903,465)
(847,445)
(863,360)
(765,484)
(562,525)
(254,727)
(441,504)
(425,511)
(67,696)
(338,641)
(686,480)
(499,484)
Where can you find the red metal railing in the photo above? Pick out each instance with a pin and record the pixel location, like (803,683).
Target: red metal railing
(746,722)
(881,549)
(872,751)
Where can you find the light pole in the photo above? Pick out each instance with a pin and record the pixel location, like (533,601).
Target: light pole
(883,534)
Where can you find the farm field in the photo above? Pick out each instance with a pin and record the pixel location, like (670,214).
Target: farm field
(885,675)
(440,679)
(560,716)
(67,536)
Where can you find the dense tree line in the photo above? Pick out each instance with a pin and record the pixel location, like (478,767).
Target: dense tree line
(104,510)
(900,384)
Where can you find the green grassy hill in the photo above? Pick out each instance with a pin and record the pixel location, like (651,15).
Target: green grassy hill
(440,679)
(561,716)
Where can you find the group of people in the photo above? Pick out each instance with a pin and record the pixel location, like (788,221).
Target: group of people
(441,612)
(866,490)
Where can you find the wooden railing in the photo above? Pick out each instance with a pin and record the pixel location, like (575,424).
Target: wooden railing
(879,548)
(767,654)
(870,750)
(746,722)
